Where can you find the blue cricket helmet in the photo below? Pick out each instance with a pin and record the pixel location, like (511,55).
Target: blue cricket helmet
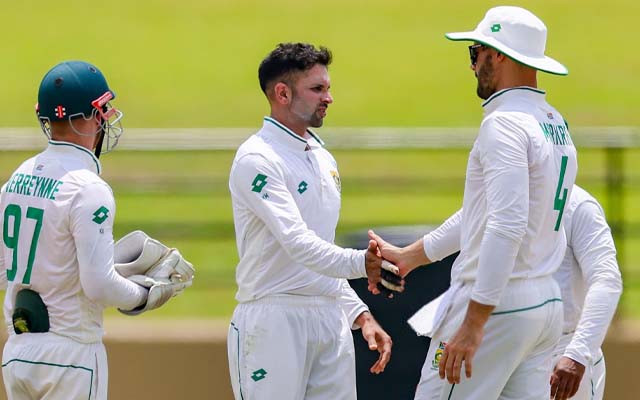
(74,89)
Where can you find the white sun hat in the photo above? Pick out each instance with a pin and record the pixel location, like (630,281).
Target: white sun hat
(518,34)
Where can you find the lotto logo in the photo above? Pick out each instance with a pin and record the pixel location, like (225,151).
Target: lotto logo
(259,183)
(302,187)
(100,215)
(259,375)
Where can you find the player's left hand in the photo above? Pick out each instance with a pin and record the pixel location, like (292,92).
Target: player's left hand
(566,378)
(377,339)
(461,348)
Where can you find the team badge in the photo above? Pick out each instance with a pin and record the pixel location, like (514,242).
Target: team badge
(435,363)
(336,180)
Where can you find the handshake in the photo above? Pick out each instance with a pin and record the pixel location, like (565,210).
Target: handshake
(151,264)
(383,276)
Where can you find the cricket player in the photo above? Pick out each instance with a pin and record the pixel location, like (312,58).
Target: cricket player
(591,285)
(502,316)
(289,337)
(57,248)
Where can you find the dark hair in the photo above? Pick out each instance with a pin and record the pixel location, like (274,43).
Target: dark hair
(288,58)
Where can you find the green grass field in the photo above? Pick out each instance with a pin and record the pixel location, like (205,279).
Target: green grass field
(192,211)
(193,63)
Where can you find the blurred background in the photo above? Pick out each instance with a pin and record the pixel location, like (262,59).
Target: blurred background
(404,117)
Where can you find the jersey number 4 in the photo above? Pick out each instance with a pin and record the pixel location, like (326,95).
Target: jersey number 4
(13,217)
(561,193)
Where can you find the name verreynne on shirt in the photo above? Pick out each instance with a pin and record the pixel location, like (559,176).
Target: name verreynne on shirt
(30,185)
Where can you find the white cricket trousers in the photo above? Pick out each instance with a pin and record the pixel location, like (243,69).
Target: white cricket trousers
(592,384)
(513,361)
(289,347)
(46,366)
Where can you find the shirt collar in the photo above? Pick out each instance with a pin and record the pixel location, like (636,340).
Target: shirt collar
(283,135)
(505,95)
(88,158)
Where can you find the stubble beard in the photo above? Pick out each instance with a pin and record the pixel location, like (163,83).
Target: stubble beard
(315,121)
(311,119)
(485,88)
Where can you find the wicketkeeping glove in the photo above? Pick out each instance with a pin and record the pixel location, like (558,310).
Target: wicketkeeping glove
(136,253)
(139,254)
(391,281)
(173,267)
(160,291)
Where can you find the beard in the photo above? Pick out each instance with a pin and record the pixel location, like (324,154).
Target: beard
(313,118)
(485,76)
(316,121)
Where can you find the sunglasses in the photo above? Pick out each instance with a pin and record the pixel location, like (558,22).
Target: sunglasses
(474,49)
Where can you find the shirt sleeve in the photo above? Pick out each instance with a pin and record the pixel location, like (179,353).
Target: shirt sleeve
(351,304)
(260,186)
(91,219)
(502,150)
(445,240)
(594,249)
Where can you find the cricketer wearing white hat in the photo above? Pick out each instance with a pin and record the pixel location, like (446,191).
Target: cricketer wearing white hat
(502,316)
(517,33)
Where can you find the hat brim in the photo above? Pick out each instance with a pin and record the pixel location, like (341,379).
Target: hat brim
(545,64)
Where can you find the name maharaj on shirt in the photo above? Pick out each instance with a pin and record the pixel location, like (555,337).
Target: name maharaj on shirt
(556,134)
(37,186)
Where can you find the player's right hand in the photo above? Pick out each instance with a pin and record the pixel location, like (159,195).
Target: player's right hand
(393,254)
(383,277)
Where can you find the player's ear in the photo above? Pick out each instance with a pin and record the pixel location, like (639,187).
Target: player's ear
(282,93)
(500,57)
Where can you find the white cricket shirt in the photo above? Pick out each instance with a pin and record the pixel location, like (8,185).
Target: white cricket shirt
(285,192)
(57,221)
(519,178)
(589,277)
